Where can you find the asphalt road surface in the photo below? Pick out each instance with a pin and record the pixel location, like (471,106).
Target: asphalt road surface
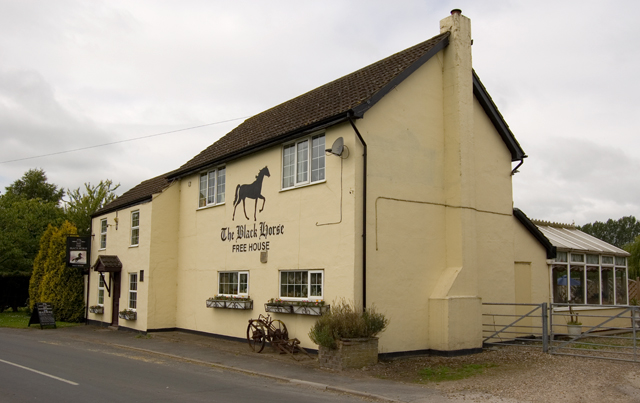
(34,369)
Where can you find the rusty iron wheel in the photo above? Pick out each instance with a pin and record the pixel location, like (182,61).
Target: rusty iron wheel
(256,335)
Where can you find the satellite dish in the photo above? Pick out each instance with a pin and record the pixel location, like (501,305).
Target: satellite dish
(337,147)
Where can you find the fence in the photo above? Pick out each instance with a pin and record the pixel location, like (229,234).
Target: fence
(604,331)
(523,325)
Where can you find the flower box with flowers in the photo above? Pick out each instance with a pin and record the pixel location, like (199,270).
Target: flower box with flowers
(97,309)
(305,307)
(128,314)
(230,302)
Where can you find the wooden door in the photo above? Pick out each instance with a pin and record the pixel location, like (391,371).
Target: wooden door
(116,299)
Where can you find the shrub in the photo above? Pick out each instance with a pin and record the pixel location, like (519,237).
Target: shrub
(347,321)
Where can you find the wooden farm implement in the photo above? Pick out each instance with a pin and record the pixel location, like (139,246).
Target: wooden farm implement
(265,329)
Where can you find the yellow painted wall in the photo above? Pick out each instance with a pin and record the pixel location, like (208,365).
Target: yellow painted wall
(163,260)
(133,258)
(304,245)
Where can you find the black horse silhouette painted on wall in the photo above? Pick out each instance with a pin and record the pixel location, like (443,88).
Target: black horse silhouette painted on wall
(251,191)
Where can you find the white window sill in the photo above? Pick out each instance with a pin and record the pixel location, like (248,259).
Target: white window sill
(134,246)
(303,185)
(209,206)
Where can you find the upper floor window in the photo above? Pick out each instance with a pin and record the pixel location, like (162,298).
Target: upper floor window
(135,228)
(303,162)
(103,233)
(212,187)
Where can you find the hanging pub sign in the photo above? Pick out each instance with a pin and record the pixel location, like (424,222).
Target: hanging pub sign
(78,249)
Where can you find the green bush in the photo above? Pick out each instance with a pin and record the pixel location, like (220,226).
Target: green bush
(61,286)
(347,321)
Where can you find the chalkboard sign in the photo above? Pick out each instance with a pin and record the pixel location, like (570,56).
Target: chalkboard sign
(43,314)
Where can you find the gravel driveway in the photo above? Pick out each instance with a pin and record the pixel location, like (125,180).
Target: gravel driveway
(518,374)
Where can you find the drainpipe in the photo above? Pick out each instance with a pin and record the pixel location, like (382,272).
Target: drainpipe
(364,212)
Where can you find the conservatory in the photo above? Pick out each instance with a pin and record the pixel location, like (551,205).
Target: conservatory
(585,270)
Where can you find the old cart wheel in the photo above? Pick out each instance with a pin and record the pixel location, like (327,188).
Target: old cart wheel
(256,335)
(278,331)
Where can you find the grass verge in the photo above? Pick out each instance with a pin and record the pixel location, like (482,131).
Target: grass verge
(443,373)
(20,320)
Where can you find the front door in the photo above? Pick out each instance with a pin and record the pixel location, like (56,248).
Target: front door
(115,298)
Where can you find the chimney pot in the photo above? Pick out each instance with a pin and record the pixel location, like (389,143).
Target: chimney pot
(456,11)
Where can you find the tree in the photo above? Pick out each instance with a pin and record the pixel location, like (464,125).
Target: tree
(34,185)
(61,286)
(633,263)
(22,222)
(38,266)
(81,205)
(619,233)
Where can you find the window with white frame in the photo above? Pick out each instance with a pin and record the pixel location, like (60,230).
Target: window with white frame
(303,162)
(212,187)
(135,228)
(133,290)
(100,289)
(103,233)
(302,284)
(233,283)
(580,278)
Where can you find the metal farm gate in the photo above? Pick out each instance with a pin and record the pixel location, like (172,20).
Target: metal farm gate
(605,331)
(523,325)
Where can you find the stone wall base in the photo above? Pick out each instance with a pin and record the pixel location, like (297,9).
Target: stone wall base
(350,353)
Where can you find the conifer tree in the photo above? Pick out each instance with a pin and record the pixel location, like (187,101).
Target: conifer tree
(62,286)
(38,266)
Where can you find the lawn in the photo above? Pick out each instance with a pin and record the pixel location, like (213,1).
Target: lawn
(20,320)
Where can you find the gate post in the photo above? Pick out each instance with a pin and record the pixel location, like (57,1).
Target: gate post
(545,328)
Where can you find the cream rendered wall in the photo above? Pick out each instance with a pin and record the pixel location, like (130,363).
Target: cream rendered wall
(405,212)
(304,244)
(494,218)
(529,251)
(133,258)
(161,277)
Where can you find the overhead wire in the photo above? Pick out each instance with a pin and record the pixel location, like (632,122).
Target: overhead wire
(121,141)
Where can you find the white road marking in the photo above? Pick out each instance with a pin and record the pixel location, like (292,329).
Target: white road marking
(41,373)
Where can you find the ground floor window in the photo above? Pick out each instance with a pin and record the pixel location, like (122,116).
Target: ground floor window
(304,284)
(133,290)
(233,283)
(100,290)
(585,284)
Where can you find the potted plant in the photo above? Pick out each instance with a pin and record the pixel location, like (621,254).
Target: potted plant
(574,326)
(277,305)
(346,336)
(230,302)
(128,314)
(97,309)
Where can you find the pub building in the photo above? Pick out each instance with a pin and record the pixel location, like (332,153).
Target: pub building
(390,186)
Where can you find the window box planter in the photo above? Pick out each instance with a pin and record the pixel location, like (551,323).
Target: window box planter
(229,304)
(99,310)
(128,315)
(279,308)
(296,309)
(311,310)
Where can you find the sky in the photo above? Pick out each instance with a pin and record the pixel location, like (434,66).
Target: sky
(159,81)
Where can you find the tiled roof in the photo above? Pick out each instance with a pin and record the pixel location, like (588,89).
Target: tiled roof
(138,194)
(354,92)
(107,263)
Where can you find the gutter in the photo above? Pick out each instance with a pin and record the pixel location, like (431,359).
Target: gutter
(364,212)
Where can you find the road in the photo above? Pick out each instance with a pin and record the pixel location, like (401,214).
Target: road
(34,368)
